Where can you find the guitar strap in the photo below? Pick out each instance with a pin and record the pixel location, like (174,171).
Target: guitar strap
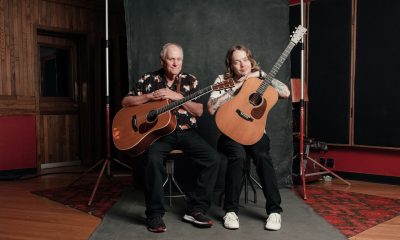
(178,86)
(178,90)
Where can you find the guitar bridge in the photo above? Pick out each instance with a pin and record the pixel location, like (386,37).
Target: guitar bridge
(244,116)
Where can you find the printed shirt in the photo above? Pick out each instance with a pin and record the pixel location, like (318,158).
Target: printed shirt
(153,81)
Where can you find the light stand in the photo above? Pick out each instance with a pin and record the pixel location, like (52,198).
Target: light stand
(107,160)
(302,104)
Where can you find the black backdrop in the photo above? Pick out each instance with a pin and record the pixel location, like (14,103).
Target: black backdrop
(206,29)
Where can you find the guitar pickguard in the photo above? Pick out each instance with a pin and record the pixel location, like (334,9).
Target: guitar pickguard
(147,126)
(258,112)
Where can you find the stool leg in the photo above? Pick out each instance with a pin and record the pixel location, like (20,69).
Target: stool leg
(252,187)
(251,180)
(246,179)
(170,189)
(165,182)
(255,181)
(177,186)
(169,167)
(245,184)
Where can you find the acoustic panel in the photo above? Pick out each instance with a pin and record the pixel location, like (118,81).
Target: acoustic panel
(377,86)
(329,70)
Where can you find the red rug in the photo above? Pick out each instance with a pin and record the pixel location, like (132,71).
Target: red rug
(77,196)
(351,213)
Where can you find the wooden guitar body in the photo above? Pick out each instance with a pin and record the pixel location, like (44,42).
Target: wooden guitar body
(133,133)
(135,128)
(244,117)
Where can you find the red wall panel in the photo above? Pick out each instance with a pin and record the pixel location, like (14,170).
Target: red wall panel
(17,142)
(294,2)
(382,162)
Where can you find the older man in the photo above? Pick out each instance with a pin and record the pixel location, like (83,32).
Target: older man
(170,83)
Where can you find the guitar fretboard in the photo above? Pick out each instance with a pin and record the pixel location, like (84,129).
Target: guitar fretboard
(152,115)
(180,102)
(278,64)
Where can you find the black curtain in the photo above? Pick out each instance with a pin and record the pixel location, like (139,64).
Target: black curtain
(206,29)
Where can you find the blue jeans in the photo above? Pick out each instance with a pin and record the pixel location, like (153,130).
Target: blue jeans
(236,155)
(205,159)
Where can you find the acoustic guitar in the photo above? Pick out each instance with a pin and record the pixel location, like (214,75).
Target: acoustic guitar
(243,118)
(135,128)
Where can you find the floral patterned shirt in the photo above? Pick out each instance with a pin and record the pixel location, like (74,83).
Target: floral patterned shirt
(153,81)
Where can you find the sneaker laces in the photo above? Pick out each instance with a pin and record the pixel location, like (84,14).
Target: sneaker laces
(273,222)
(273,218)
(230,217)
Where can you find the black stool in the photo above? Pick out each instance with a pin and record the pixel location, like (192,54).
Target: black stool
(169,167)
(247,179)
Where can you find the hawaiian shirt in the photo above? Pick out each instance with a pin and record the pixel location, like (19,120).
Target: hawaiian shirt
(153,81)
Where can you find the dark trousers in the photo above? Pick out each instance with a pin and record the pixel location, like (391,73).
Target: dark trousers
(236,155)
(205,159)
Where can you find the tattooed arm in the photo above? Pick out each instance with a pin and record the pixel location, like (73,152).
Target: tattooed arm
(279,86)
(217,98)
(215,103)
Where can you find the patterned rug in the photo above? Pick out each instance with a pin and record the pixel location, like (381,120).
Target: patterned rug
(77,196)
(351,213)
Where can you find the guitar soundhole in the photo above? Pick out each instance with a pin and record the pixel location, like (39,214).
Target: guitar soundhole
(152,116)
(255,99)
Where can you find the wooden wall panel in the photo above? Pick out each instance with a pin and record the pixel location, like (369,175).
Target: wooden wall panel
(20,21)
(6,51)
(23,44)
(58,138)
(17,105)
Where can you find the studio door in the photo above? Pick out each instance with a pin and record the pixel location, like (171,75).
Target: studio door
(58,118)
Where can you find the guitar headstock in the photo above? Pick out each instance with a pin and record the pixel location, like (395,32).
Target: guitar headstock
(223,85)
(298,34)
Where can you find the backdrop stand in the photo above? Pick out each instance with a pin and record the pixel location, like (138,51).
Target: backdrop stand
(296,97)
(108,159)
(301,134)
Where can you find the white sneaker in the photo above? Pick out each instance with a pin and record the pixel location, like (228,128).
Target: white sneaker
(231,220)
(273,222)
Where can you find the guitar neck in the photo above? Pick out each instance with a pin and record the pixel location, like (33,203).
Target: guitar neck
(182,101)
(278,64)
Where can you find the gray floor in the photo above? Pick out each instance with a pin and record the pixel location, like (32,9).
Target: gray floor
(126,220)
